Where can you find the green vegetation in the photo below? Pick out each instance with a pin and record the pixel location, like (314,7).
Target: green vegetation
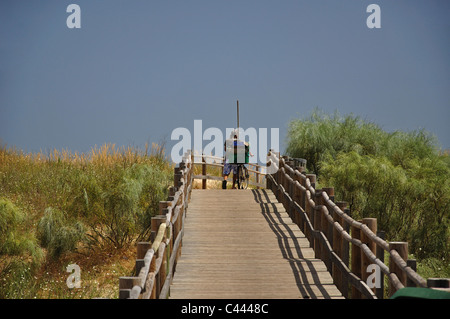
(63,208)
(400,178)
(57,234)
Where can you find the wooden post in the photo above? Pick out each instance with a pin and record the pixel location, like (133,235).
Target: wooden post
(318,197)
(163,269)
(177,177)
(402,249)
(311,219)
(203,172)
(172,191)
(312,179)
(346,244)
(142,248)
(379,292)
(325,230)
(157,221)
(317,224)
(140,263)
(297,216)
(438,283)
(371,223)
(257,176)
(328,231)
(278,180)
(337,245)
(125,286)
(163,211)
(340,246)
(356,261)
(163,207)
(302,194)
(330,192)
(296,190)
(268,180)
(342,206)
(413,265)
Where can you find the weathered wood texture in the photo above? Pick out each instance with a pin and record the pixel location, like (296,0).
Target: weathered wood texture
(256,243)
(326,224)
(243,244)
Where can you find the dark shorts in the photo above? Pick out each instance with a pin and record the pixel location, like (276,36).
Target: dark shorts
(227,168)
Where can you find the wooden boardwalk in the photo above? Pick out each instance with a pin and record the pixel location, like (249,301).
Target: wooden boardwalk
(242,244)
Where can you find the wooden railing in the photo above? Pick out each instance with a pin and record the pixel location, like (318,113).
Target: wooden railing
(347,247)
(156,260)
(257,172)
(351,249)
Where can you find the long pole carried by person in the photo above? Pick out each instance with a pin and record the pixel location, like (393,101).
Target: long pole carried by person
(238,118)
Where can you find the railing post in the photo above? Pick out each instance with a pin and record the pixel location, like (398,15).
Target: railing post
(356,260)
(177,177)
(340,246)
(379,292)
(172,191)
(163,207)
(279,181)
(324,228)
(330,192)
(268,179)
(125,286)
(312,179)
(317,222)
(203,172)
(163,270)
(297,216)
(329,229)
(290,191)
(337,247)
(346,244)
(309,212)
(438,283)
(318,197)
(155,223)
(402,250)
(302,198)
(257,177)
(163,211)
(142,248)
(413,265)
(371,223)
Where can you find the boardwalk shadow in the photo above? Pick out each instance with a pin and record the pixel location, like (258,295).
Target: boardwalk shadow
(290,247)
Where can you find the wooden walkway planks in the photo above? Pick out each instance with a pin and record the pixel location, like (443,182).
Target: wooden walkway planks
(243,244)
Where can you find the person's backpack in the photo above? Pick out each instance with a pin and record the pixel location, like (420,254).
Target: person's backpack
(237,152)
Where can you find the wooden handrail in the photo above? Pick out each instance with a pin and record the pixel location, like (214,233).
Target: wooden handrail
(331,231)
(218,162)
(155,270)
(323,222)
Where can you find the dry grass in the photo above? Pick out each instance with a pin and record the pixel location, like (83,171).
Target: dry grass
(210,184)
(75,183)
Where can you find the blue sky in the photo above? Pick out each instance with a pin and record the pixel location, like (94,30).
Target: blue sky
(136,70)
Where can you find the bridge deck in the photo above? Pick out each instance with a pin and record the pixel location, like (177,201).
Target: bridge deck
(242,244)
